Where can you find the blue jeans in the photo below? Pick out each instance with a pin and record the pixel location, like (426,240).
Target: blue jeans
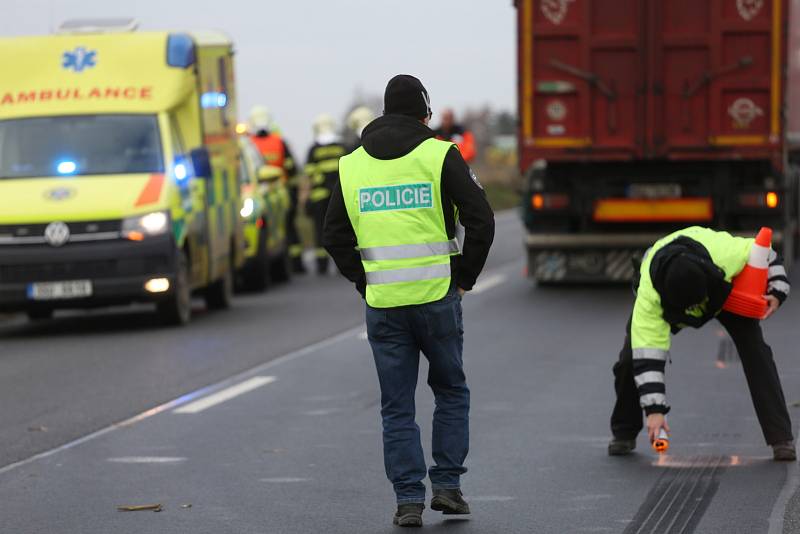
(397,336)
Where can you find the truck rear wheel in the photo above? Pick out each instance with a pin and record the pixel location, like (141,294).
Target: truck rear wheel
(177,309)
(219,294)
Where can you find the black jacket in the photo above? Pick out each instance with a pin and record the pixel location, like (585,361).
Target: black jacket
(394,136)
(718,287)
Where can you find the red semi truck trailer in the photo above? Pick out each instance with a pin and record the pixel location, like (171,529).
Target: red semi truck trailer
(638,117)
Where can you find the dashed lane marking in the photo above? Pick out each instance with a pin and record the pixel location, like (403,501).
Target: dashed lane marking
(224,395)
(180,401)
(189,397)
(147,460)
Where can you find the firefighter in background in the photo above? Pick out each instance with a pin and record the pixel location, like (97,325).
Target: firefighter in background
(277,155)
(322,169)
(448,130)
(357,120)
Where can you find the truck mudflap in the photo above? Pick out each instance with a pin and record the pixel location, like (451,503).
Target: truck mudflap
(592,258)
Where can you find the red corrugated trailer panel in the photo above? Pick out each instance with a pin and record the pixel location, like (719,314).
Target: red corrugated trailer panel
(649,79)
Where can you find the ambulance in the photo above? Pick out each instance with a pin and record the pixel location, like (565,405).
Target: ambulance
(119,170)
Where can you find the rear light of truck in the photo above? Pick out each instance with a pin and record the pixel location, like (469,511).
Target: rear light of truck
(770,200)
(549,201)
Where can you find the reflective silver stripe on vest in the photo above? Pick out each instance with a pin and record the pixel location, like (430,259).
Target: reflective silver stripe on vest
(650,354)
(653,399)
(405,252)
(412,274)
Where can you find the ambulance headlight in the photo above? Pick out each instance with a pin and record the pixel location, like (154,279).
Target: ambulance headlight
(156,223)
(247,208)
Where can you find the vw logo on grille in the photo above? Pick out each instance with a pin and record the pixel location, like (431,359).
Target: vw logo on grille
(59,193)
(56,234)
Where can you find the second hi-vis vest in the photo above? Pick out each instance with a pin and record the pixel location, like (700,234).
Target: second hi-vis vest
(271,148)
(395,207)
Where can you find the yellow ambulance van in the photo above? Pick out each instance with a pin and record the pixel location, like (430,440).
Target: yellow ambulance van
(118,170)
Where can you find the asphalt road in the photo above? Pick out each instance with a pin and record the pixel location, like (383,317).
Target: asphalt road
(289,441)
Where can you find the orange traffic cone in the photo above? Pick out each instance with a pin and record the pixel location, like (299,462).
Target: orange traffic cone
(749,286)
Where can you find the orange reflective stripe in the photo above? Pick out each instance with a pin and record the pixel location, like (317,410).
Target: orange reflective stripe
(152,190)
(662,210)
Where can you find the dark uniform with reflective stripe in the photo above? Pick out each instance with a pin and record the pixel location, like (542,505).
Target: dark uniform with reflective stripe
(322,169)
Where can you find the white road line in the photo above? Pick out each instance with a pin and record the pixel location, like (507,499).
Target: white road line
(189,397)
(147,460)
(180,401)
(776,517)
(225,395)
(488,283)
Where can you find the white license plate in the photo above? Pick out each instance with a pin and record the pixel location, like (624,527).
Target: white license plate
(654,191)
(72,289)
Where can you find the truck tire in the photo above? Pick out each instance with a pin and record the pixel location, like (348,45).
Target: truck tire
(219,294)
(177,309)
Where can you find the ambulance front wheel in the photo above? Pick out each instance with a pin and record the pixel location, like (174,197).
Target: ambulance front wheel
(177,309)
(219,295)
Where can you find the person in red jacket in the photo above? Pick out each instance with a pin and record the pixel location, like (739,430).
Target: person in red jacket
(449,130)
(277,154)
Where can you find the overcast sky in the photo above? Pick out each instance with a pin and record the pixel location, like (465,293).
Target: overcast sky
(304,57)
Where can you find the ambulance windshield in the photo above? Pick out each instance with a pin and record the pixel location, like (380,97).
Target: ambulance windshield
(80,145)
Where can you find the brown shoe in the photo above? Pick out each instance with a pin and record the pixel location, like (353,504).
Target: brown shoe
(784,452)
(409,515)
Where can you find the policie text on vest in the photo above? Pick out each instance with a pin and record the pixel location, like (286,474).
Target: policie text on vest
(395,197)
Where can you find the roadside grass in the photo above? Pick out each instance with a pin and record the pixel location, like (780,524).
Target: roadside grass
(501,196)
(502,183)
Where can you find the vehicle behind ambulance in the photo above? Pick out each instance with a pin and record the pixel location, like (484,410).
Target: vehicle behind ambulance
(118,170)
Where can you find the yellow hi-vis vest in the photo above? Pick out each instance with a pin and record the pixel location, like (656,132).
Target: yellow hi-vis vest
(395,207)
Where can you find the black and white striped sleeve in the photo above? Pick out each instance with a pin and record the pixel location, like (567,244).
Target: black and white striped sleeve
(778,284)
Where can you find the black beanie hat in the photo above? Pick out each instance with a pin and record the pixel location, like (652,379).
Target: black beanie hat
(405,95)
(685,283)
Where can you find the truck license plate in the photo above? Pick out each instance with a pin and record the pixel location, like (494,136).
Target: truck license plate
(60,290)
(654,191)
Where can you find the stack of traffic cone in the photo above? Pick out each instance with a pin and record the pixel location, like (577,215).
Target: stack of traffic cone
(750,286)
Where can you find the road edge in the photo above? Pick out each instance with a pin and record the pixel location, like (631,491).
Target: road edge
(777,517)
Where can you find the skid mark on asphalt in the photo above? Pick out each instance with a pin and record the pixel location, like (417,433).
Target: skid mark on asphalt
(226,394)
(679,498)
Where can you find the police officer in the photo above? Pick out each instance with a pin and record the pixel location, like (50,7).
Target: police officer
(278,156)
(322,169)
(391,228)
(684,280)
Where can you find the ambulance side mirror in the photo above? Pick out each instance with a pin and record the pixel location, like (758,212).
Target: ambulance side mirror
(201,162)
